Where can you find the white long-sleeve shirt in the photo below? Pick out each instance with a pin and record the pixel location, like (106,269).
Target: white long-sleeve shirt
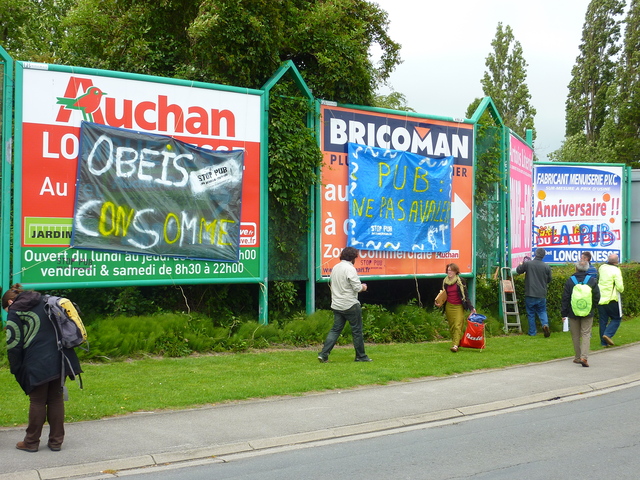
(345,285)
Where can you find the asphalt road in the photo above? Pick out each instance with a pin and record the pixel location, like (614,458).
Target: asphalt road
(593,437)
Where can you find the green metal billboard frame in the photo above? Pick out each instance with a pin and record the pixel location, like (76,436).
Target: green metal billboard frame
(5,156)
(289,68)
(17,207)
(501,199)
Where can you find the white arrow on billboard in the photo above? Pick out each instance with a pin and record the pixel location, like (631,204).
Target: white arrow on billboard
(459,210)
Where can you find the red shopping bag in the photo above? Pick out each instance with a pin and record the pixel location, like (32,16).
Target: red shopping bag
(474,334)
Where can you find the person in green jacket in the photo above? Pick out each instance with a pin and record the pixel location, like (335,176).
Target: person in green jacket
(609,307)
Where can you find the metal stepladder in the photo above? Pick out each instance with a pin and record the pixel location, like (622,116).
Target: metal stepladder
(510,312)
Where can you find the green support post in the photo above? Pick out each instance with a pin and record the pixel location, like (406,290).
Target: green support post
(5,155)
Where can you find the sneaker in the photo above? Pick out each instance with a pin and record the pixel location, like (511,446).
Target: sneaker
(545,329)
(321,359)
(454,349)
(23,446)
(608,340)
(364,359)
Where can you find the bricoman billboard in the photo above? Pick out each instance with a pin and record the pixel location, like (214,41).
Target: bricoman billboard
(135,180)
(408,199)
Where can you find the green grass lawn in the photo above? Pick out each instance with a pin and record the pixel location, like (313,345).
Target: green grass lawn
(173,383)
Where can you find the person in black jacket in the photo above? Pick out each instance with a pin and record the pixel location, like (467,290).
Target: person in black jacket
(36,362)
(580,326)
(536,283)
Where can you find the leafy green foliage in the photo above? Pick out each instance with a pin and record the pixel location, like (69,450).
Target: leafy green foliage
(505,82)
(328,42)
(593,73)
(620,135)
(138,36)
(405,323)
(393,101)
(488,178)
(294,160)
(283,299)
(560,274)
(33,29)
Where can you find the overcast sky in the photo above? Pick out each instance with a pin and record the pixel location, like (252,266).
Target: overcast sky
(445,44)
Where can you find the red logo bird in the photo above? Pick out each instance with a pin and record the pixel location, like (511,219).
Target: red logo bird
(87,103)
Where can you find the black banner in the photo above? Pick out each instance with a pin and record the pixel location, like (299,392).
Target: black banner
(143,193)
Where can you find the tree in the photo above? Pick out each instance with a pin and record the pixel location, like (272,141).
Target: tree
(32,29)
(242,42)
(505,82)
(137,36)
(593,73)
(620,135)
(574,149)
(394,101)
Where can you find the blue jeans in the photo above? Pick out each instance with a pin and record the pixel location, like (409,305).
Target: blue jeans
(340,317)
(609,318)
(536,306)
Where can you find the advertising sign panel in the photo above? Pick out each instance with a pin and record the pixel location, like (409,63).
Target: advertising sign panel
(399,201)
(520,199)
(578,208)
(425,137)
(53,101)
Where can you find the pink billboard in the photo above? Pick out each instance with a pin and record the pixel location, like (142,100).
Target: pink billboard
(520,199)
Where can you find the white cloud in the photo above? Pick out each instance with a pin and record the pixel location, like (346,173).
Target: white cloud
(445,44)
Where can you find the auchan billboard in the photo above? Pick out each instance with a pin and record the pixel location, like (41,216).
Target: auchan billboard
(53,101)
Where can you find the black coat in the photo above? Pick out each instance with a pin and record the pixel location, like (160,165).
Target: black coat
(32,348)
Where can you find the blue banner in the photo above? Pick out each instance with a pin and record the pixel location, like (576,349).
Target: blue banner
(398,201)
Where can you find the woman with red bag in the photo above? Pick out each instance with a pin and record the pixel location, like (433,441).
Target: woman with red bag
(456,303)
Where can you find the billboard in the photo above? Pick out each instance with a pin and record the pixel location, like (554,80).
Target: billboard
(578,207)
(52,104)
(520,199)
(422,136)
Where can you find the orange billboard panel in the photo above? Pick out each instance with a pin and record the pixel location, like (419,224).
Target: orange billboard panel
(423,136)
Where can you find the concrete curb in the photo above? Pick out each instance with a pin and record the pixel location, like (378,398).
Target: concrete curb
(111,468)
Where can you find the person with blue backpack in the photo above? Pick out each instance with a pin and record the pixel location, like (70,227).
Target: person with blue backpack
(580,298)
(36,361)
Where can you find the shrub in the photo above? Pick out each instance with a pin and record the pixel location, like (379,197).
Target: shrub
(181,334)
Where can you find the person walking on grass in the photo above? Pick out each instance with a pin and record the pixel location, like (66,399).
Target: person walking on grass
(609,308)
(536,283)
(345,286)
(580,325)
(457,301)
